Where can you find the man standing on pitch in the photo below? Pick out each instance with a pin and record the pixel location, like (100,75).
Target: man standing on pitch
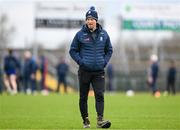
(91,49)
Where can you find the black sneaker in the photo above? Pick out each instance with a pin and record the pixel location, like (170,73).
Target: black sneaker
(103,123)
(86,123)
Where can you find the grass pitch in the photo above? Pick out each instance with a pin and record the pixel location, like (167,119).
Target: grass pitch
(142,111)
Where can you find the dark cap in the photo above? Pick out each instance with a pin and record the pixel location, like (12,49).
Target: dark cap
(92,13)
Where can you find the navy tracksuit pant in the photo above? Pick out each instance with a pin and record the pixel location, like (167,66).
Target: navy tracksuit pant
(97,79)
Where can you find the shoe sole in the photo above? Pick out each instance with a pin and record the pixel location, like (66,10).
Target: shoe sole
(106,125)
(87,126)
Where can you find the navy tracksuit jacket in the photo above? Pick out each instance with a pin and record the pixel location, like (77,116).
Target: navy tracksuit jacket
(91,52)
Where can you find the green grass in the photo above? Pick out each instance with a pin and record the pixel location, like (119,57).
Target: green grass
(142,111)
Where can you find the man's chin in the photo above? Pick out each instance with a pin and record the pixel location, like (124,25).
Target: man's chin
(90,28)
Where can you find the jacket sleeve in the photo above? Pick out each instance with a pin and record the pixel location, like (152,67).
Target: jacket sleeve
(75,50)
(18,64)
(5,64)
(33,66)
(108,50)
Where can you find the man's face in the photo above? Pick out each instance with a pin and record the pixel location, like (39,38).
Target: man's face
(91,23)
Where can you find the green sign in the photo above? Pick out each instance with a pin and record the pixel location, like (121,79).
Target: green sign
(171,25)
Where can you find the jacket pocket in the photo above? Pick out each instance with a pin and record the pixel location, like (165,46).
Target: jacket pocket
(100,64)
